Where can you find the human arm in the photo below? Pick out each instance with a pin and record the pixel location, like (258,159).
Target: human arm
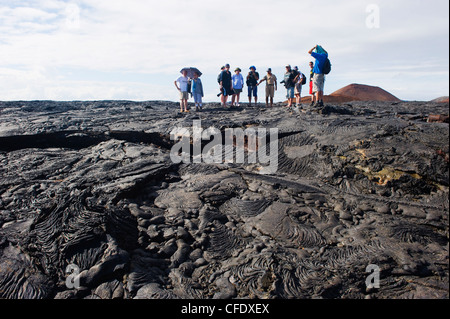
(221,80)
(176,85)
(311,51)
(201,86)
(262,80)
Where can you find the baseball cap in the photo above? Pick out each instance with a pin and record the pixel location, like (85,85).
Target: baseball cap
(269,70)
(227,65)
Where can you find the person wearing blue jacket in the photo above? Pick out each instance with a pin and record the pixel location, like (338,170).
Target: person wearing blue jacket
(238,85)
(319,77)
(197,91)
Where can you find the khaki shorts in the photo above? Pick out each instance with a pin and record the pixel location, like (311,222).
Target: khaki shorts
(270,91)
(184,95)
(318,82)
(298,89)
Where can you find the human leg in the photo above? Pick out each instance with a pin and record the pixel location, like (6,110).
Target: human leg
(320,98)
(200,101)
(181,101)
(319,80)
(290,96)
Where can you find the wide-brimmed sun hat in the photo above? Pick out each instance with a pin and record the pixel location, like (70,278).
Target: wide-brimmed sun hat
(252,67)
(238,69)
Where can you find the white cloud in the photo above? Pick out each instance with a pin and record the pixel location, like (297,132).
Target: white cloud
(159,37)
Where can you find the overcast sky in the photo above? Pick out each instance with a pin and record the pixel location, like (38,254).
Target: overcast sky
(134,49)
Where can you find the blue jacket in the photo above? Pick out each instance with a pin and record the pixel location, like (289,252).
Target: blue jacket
(238,81)
(320,61)
(197,86)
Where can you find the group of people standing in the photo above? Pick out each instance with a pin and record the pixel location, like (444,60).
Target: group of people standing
(233,84)
(188,86)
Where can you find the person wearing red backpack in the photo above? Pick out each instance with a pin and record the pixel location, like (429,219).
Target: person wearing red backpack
(311,76)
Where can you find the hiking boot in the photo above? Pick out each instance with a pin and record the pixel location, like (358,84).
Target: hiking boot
(318,105)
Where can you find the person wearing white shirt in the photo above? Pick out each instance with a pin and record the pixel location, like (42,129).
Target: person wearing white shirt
(183,81)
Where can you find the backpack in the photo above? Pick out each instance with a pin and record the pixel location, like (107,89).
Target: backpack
(289,81)
(251,81)
(326,67)
(303,79)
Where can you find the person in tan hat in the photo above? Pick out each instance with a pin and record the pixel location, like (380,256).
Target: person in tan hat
(271,86)
(238,85)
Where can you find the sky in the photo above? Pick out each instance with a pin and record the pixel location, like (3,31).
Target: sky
(135,49)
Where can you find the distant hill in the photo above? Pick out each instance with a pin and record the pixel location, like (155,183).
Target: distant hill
(358,92)
(442,99)
(366,93)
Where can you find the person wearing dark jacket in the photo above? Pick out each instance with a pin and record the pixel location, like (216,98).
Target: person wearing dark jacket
(226,84)
(290,77)
(218,81)
(252,83)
